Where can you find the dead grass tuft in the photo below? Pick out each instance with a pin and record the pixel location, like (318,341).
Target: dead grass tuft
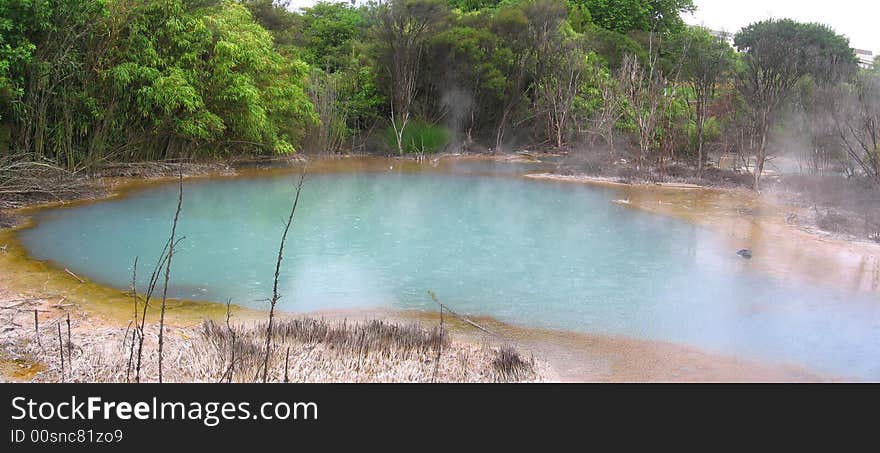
(305,349)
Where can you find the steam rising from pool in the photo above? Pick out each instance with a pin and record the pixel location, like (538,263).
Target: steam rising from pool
(534,253)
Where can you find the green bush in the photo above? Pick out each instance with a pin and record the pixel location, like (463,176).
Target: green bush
(612,46)
(419,137)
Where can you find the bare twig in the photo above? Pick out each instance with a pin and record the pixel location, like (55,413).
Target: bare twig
(37,328)
(231,370)
(60,350)
(69,342)
(130,355)
(286,361)
(74,275)
(439,346)
(151,286)
(460,317)
(18,303)
(168,270)
(23,180)
(275,295)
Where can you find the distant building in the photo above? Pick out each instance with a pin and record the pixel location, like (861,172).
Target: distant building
(866,58)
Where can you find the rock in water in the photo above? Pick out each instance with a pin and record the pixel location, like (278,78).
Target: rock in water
(745,253)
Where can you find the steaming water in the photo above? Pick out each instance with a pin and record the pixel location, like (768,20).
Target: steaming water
(528,252)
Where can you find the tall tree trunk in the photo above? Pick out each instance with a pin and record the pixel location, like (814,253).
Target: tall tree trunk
(398,129)
(700,127)
(499,133)
(760,156)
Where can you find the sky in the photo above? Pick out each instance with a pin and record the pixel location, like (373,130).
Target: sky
(857,19)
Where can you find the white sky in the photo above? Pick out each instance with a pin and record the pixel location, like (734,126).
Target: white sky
(857,19)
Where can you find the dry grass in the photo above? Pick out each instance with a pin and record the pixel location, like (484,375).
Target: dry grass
(319,351)
(510,365)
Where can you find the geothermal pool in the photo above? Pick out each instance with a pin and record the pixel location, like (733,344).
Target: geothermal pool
(532,253)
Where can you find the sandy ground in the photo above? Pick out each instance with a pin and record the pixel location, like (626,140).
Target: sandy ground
(746,220)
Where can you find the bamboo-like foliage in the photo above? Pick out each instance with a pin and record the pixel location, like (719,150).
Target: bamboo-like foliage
(124,80)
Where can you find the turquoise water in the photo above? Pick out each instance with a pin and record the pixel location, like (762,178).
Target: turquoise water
(533,253)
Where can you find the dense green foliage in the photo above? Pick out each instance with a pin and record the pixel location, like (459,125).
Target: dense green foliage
(419,137)
(624,16)
(164,78)
(86,81)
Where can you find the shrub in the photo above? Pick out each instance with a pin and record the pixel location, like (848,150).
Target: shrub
(419,137)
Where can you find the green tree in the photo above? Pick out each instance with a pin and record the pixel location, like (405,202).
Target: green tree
(47,54)
(329,32)
(473,5)
(209,77)
(579,16)
(778,54)
(128,79)
(20,20)
(613,46)
(528,30)
(561,86)
(624,16)
(273,15)
(704,61)
(477,81)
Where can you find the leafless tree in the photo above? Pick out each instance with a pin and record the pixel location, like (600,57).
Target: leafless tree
(404,27)
(328,135)
(642,88)
(560,86)
(604,120)
(857,122)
